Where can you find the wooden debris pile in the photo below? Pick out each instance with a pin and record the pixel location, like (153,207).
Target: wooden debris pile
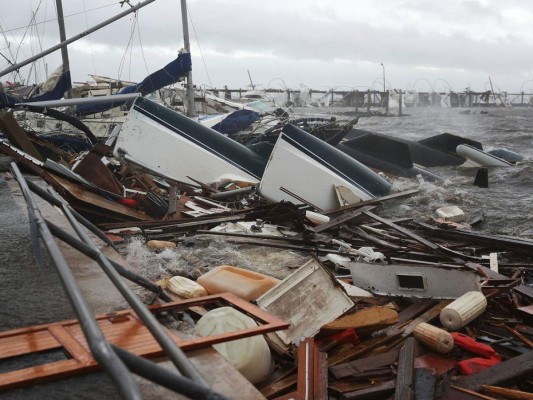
(390,308)
(383,308)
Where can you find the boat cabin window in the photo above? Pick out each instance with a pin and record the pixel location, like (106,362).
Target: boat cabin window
(411,282)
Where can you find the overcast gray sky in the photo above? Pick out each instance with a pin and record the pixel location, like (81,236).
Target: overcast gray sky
(422,44)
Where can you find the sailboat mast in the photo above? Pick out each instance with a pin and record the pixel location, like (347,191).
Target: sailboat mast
(191,112)
(62,38)
(74,38)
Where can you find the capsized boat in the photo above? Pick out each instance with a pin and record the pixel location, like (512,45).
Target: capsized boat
(478,158)
(385,154)
(303,168)
(173,145)
(435,151)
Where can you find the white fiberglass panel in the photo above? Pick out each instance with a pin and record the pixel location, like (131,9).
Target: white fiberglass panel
(170,154)
(295,171)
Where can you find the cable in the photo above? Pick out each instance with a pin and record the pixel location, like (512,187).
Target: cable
(199,48)
(132,33)
(89,37)
(55,19)
(142,48)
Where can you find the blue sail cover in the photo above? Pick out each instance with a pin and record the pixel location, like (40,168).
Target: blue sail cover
(168,75)
(61,86)
(236,122)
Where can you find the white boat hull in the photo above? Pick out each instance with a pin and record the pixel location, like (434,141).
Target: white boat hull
(297,171)
(176,152)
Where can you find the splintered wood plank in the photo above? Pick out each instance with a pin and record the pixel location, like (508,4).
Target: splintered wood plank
(76,350)
(507,393)
(222,376)
(366,364)
(377,391)
(404,381)
(349,352)
(31,342)
(346,217)
(16,135)
(128,333)
(365,320)
(512,369)
(280,387)
(42,373)
(95,201)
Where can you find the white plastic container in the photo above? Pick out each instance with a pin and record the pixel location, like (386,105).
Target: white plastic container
(250,356)
(451,213)
(463,310)
(246,284)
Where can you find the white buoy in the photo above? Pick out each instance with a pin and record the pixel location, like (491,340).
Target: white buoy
(184,287)
(434,338)
(463,310)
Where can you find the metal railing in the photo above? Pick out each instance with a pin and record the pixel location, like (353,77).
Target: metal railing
(117,362)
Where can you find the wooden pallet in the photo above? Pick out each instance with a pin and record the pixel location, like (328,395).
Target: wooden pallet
(123,329)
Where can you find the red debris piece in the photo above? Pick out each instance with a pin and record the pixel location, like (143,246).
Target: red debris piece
(473,365)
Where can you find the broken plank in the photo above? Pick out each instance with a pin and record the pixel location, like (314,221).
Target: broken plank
(280,387)
(375,200)
(349,352)
(16,135)
(412,311)
(358,231)
(424,384)
(172,202)
(507,371)
(404,381)
(341,219)
(339,387)
(346,370)
(375,392)
(471,393)
(414,236)
(507,393)
(428,316)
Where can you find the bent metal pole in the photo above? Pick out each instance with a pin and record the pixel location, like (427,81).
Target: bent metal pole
(74,38)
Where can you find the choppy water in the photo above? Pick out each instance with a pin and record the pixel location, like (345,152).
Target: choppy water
(507,205)
(31,296)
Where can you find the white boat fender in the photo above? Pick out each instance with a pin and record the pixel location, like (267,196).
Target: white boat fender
(463,310)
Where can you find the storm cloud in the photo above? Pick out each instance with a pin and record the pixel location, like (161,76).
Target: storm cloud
(288,43)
